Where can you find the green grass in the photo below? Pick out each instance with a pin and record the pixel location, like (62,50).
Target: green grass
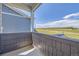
(68,32)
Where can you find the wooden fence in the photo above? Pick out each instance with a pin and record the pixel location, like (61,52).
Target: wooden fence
(12,41)
(55,46)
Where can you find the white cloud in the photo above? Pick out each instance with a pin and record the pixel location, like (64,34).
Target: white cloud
(60,23)
(66,22)
(71,15)
(40,25)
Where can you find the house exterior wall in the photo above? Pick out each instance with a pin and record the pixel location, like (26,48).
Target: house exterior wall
(0,22)
(0,7)
(0,16)
(12,23)
(15,24)
(14,30)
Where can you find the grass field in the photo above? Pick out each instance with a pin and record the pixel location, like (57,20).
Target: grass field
(68,32)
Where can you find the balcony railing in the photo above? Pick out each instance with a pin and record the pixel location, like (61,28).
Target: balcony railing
(13,41)
(47,44)
(55,46)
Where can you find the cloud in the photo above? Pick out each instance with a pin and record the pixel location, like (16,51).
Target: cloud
(66,22)
(71,15)
(60,23)
(41,25)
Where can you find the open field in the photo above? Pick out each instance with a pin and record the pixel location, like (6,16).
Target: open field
(68,32)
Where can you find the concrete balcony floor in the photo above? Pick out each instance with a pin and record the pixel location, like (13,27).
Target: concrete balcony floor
(26,51)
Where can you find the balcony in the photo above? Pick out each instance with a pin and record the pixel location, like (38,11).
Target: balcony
(37,44)
(24,41)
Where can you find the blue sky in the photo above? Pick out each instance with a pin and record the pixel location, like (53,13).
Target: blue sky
(48,12)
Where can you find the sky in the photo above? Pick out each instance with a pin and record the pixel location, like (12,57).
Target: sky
(48,12)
